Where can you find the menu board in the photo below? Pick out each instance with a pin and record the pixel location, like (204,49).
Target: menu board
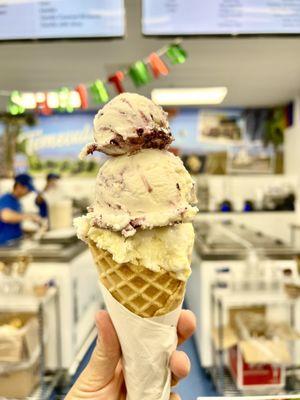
(37,19)
(220,17)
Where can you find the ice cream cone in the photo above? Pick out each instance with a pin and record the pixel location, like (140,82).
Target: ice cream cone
(140,290)
(139,231)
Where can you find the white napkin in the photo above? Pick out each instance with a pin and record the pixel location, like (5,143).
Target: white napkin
(147,344)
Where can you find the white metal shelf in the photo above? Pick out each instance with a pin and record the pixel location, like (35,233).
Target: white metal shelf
(250,298)
(25,302)
(29,303)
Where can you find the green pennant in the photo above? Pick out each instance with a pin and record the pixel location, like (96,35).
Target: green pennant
(176,54)
(14,105)
(139,73)
(64,100)
(99,92)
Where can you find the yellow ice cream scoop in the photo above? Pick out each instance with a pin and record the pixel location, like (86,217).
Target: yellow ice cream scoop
(16,323)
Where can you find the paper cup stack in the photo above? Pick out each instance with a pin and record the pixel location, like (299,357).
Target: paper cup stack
(140,234)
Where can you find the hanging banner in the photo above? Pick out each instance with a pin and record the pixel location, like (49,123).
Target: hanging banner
(99,92)
(157,65)
(176,54)
(116,81)
(139,73)
(68,99)
(83,94)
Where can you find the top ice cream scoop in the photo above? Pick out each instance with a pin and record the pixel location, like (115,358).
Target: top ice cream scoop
(128,123)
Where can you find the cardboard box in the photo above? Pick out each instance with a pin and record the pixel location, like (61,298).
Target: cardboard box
(252,377)
(18,381)
(18,344)
(258,350)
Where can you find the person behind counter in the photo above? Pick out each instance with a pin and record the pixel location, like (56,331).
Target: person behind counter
(11,215)
(51,185)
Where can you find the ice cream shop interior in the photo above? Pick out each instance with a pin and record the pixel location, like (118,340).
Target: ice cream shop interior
(149,199)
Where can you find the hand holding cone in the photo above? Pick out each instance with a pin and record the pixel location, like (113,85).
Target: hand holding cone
(103,376)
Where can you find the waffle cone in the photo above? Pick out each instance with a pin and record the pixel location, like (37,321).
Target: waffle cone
(140,290)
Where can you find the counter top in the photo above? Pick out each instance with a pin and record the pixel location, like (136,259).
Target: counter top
(228,241)
(42,252)
(25,302)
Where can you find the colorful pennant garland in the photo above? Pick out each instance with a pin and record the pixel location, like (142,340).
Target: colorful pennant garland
(67,100)
(99,92)
(139,73)
(176,54)
(83,94)
(116,81)
(157,65)
(41,104)
(14,105)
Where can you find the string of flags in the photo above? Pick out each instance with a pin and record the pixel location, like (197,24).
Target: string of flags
(67,99)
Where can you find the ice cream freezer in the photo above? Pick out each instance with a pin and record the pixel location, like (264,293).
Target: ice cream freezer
(68,265)
(226,255)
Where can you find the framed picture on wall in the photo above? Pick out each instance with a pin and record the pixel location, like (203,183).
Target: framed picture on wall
(250,160)
(224,127)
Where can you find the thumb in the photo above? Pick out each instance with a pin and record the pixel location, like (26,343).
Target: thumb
(106,355)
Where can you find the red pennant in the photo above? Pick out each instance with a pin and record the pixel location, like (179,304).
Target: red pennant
(83,94)
(157,65)
(116,81)
(42,106)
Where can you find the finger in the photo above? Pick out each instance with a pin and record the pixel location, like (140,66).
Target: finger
(175,396)
(180,366)
(106,355)
(174,380)
(186,325)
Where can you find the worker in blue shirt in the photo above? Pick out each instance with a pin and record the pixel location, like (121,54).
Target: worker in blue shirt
(11,215)
(51,185)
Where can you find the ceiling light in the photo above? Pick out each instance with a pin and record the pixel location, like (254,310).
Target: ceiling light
(75,100)
(40,97)
(188,97)
(52,100)
(28,100)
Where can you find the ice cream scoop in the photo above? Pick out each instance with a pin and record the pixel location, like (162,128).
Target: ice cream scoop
(167,248)
(128,123)
(147,189)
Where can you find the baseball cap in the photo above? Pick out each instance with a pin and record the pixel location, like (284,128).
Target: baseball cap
(25,180)
(52,175)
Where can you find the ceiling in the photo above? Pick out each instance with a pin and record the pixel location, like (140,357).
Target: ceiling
(257,71)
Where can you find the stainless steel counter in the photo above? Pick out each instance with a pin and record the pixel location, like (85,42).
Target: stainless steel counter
(228,241)
(44,252)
